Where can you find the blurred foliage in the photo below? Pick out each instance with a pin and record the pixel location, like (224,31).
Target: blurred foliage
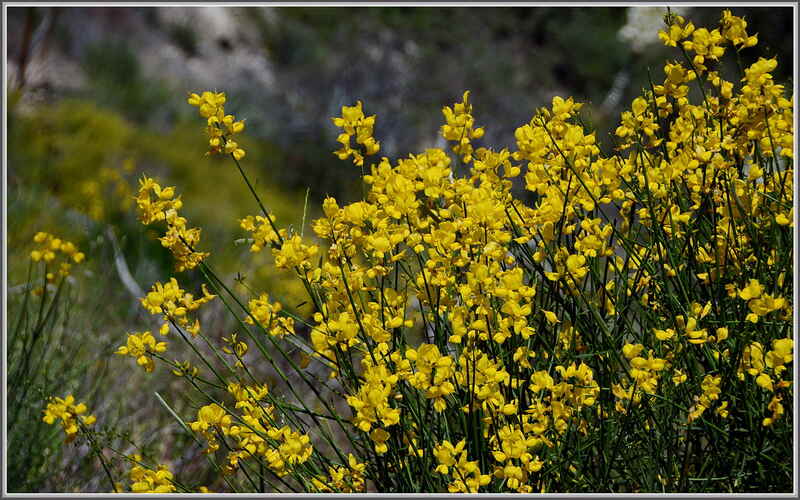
(184,37)
(583,63)
(116,81)
(76,150)
(90,159)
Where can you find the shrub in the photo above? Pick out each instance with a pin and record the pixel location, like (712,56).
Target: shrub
(627,330)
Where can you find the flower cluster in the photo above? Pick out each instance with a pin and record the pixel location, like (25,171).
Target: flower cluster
(141,347)
(353,122)
(767,370)
(161,204)
(68,412)
(211,418)
(221,127)
(514,461)
(267,315)
(53,250)
(289,250)
(174,304)
(373,403)
(760,303)
(253,432)
(734,30)
(347,478)
(711,392)
(644,374)
(144,480)
(460,128)
(465,474)
(434,374)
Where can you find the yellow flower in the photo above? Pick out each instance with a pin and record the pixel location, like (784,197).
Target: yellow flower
(53,250)
(460,128)
(434,374)
(210,416)
(379,437)
(551,317)
(466,475)
(265,313)
(733,29)
(425,289)
(175,304)
(753,290)
(68,412)
(353,122)
(144,480)
(678,30)
(678,377)
(141,346)
(221,127)
(160,204)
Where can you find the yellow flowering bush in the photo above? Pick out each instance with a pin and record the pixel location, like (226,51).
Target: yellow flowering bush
(624,326)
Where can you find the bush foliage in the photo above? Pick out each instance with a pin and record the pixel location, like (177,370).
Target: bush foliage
(624,325)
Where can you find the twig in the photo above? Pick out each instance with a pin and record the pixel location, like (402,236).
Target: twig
(122,267)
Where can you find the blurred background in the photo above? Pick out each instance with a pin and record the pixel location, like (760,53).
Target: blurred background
(97,96)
